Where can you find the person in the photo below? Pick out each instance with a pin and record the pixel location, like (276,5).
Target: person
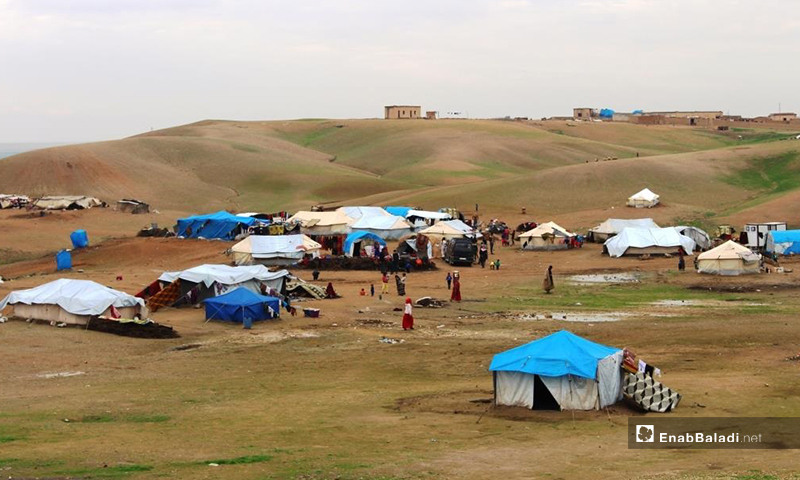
(483,255)
(408,317)
(455,295)
(548,284)
(400,283)
(315,274)
(491,244)
(497,264)
(513,234)
(330,292)
(363,292)
(449,279)
(385,283)
(681,260)
(371,289)
(395,267)
(444,246)
(408,266)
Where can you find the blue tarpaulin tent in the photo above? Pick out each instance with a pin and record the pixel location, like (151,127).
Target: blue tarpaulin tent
(63,260)
(783,242)
(221,225)
(398,211)
(79,239)
(576,373)
(243,306)
(360,236)
(606,113)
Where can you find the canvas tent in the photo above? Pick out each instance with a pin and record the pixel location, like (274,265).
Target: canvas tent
(448,229)
(643,199)
(700,237)
(361,240)
(129,205)
(560,371)
(547,236)
(423,218)
(783,242)
(363,212)
(613,226)
(388,227)
(220,225)
(13,201)
(408,247)
(730,258)
(67,202)
(205,281)
(242,306)
(274,249)
(72,302)
(322,223)
(652,241)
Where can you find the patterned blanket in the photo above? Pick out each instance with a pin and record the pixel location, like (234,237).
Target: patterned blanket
(649,395)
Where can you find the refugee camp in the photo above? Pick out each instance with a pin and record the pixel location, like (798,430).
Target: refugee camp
(399,241)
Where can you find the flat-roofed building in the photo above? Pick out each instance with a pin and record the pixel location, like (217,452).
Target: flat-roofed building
(402,111)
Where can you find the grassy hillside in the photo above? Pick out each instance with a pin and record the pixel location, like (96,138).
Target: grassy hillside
(550,167)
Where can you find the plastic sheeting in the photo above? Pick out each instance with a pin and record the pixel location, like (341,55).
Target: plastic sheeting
(514,389)
(210,274)
(647,237)
(613,226)
(784,242)
(221,225)
(449,229)
(700,237)
(241,304)
(398,211)
(356,237)
(388,227)
(78,297)
(363,212)
(79,239)
(63,260)
(263,247)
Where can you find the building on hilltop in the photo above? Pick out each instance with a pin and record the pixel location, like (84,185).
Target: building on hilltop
(402,111)
(431,115)
(584,113)
(783,117)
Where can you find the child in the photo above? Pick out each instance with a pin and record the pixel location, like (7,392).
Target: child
(449,279)
(372,290)
(363,293)
(408,266)
(497,264)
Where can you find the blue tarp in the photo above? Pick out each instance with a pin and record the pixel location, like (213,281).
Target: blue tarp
(63,260)
(606,113)
(791,239)
(79,239)
(398,211)
(222,225)
(561,353)
(240,304)
(360,236)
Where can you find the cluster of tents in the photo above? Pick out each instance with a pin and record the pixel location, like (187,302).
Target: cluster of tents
(53,202)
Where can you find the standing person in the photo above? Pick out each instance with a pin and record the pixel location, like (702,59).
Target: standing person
(548,284)
(385,284)
(513,234)
(497,264)
(371,289)
(444,247)
(315,274)
(408,317)
(681,260)
(455,296)
(449,279)
(408,265)
(395,262)
(491,244)
(483,254)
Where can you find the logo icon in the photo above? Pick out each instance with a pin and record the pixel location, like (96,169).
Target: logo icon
(645,433)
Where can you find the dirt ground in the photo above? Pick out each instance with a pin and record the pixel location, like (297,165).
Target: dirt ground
(303,398)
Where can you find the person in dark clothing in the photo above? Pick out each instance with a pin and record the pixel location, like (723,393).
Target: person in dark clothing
(395,266)
(449,279)
(483,255)
(491,244)
(681,261)
(315,274)
(408,266)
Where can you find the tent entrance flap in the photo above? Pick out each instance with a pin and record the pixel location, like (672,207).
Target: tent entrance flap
(542,398)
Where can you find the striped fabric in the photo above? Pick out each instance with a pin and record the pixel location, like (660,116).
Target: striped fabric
(165,297)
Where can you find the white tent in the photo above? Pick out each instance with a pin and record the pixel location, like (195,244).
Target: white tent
(66,202)
(72,302)
(322,223)
(730,258)
(613,226)
(274,249)
(699,236)
(643,199)
(547,236)
(423,218)
(448,229)
(388,227)
(363,212)
(217,279)
(653,241)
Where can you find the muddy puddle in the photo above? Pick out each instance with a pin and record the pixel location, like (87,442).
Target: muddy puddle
(604,278)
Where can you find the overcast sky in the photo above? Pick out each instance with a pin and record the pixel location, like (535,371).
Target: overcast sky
(77,70)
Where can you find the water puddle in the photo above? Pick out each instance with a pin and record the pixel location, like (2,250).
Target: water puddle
(59,374)
(578,317)
(605,278)
(702,303)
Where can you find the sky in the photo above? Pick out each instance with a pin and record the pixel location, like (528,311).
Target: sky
(85,70)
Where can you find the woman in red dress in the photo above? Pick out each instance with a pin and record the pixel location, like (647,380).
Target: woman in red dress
(408,317)
(455,296)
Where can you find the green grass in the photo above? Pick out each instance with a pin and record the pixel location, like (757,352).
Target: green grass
(771,175)
(9,438)
(117,471)
(148,418)
(97,419)
(244,460)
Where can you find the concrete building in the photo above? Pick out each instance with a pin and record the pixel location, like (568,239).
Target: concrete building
(583,113)
(431,114)
(689,114)
(783,117)
(402,111)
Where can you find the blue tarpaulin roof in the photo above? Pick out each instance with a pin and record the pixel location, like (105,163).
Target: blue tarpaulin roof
(398,211)
(791,239)
(562,353)
(360,236)
(242,303)
(220,225)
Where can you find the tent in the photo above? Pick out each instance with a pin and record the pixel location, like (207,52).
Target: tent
(67,202)
(643,199)
(448,229)
(360,240)
(220,225)
(130,205)
(242,306)
(700,237)
(322,223)
(363,212)
(72,302)
(547,236)
(408,247)
(274,249)
(398,211)
(783,242)
(388,227)
(422,218)
(209,280)
(17,201)
(613,226)
(730,258)
(560,371)
(653,241)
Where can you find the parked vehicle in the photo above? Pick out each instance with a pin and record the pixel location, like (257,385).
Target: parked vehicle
(461,251)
